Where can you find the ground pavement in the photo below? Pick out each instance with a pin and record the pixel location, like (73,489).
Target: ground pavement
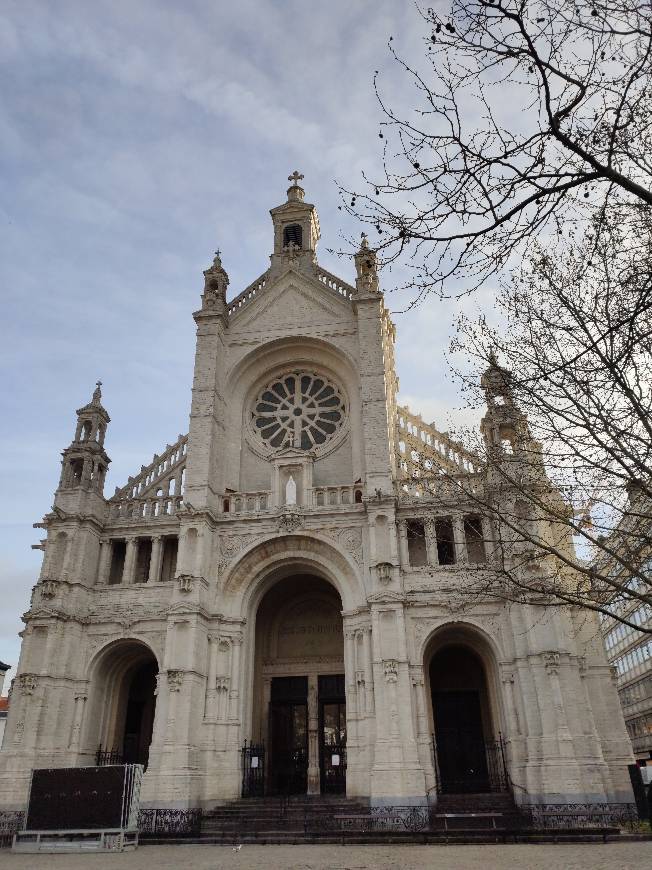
(577,856)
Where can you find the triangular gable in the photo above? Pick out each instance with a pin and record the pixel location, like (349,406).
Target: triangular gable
(294,298)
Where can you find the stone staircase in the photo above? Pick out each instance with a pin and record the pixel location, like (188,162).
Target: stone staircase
(483,811)
(459,818)
(299,819)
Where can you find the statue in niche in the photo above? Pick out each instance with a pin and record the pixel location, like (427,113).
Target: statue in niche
(290,491)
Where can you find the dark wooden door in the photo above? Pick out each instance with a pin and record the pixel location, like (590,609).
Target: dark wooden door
(289,735)
(332,734)
(461,751)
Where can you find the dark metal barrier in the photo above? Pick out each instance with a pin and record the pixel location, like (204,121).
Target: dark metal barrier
(92,798)
(253,770)
(489,776)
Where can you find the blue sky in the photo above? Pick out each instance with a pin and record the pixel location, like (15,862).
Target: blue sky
(135,138)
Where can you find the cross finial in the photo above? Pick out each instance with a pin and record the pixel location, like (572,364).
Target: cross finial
(97,393)
(296,177)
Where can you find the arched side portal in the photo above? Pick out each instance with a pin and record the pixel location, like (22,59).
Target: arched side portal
(469,754)
(122,703)
(298,703)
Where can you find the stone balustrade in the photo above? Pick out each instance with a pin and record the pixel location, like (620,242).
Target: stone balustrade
(158,507)
(441,487)
(331,496)
(247,295)
(246,502)
(335,284)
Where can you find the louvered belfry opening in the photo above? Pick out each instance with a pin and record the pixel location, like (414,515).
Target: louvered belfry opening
(293,233)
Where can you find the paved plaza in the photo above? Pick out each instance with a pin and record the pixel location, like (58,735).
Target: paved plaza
(578,856)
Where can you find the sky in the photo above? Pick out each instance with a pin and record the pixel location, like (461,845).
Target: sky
(135,139)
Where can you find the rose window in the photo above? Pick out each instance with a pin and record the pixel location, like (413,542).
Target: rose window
(301,409)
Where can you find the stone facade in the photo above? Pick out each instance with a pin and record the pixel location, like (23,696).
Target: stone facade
(286,544)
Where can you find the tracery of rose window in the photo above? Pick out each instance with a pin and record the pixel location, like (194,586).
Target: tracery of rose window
(300,409)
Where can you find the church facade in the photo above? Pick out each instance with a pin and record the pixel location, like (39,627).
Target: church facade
(272,604)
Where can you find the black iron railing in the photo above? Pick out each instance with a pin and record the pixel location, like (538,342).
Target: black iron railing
(253,770)
(333,768)
(476,767)
(104,757)
(169,823)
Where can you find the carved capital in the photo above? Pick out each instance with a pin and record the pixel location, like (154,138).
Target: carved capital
(551,662)
(390,670)
(175,679)
(27,683)
(384,572)
(222,684)
(48,587)
(185,582)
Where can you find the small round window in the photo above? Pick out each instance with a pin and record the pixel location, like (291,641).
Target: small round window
(300,409)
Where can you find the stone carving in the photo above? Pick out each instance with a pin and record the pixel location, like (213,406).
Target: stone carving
(551,661)
(289,522)
(48,587)
(349,539)
(175,679)
(232,545)
(384,572)
(390,669)
(185,582)
(222,684)
(360,678)
(290,491)
(27,683)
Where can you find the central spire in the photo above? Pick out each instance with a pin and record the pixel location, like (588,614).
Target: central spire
(296,229)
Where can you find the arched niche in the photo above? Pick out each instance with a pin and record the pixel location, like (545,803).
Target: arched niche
(121,701)
(465,710)
(296,693)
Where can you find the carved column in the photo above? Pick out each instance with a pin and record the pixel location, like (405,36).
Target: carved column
(403,543)
(130,562)
(104,562)
(313,736)
(461,556)
(236,645)
(431,542)
(77,719)
(349,672)
(211,688)
(155,559)
(369,670)
(512,710)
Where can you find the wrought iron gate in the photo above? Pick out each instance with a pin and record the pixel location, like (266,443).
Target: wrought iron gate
(253,770)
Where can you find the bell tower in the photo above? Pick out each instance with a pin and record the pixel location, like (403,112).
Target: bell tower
(85,462)
(296,230)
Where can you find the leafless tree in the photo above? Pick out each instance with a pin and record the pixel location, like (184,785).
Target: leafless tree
(531,117)
(566,442)
(529,151)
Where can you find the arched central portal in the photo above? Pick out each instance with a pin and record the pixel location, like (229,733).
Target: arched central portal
(299,710)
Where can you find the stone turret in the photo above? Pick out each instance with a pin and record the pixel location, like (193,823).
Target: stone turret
(296,231)
(85,462)
(366,268)
(216,282)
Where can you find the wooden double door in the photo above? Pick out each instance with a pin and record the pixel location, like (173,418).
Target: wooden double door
(290,743)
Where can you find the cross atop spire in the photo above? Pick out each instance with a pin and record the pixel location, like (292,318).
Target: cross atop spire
(296,177)
(97,393)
